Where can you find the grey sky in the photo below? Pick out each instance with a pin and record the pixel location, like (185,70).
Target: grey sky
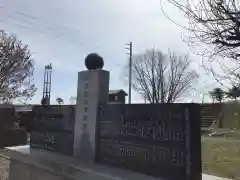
(63,32)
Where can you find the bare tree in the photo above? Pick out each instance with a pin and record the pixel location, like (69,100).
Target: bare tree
(59,100)
(233,92)
(215,26)
(219,95)
(213,22)
(16,70)
(160,78)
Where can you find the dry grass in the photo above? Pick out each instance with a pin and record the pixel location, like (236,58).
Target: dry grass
(221,157)
(4,167)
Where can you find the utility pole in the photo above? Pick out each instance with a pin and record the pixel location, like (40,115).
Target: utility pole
(129,48)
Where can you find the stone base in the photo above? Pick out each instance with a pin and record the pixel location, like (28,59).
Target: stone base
(12,137)
(35,164)
(23,171)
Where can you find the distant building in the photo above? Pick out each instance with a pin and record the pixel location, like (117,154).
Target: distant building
(117,96)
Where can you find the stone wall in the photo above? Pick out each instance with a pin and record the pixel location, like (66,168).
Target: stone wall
(9,134)
(29,172)
(7,116)
(12,137)
(152,138)
(52,128)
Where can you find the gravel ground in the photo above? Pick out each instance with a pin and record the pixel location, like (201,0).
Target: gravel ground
(4,166)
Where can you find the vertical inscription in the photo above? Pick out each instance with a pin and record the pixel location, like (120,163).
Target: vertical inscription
(177,158)
(85,107)
(188,150)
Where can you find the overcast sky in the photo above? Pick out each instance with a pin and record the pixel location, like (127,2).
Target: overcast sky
(64,32)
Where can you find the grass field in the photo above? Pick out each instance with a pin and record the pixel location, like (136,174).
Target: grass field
(221,157)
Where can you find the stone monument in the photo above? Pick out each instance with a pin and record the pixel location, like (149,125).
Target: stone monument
(117,123)
(92,90)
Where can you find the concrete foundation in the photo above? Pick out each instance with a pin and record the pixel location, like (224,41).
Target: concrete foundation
(30,172)
(35,164)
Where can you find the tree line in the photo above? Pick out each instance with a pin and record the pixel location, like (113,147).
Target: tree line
(218,94)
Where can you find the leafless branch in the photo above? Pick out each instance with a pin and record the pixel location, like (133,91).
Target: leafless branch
(162,78)
(216,25)
(16,69)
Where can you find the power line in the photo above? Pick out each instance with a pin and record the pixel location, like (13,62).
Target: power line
(26,21)
(51,33)
(30,28)
(39,20)
(44,32)
(129,47)
(36,30)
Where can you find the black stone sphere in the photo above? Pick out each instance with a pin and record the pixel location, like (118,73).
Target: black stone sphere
(94,61)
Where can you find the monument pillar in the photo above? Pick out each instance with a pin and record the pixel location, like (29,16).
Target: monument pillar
(92,90)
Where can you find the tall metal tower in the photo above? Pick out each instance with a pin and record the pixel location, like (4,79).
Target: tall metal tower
(47,85)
